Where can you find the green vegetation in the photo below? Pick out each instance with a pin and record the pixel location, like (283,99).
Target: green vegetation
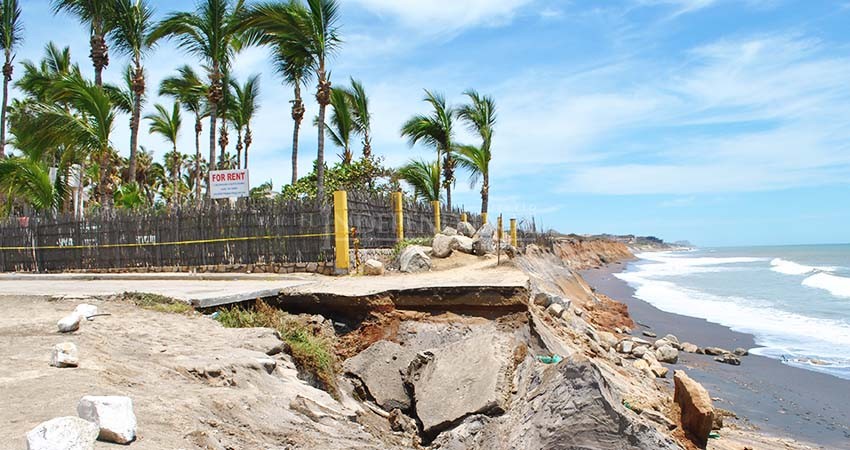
(61,150)
(159,303)
(311,352)
(397,249)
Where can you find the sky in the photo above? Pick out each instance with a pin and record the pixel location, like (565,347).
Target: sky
(721,122)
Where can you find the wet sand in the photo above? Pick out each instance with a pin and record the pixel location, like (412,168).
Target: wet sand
(772,396)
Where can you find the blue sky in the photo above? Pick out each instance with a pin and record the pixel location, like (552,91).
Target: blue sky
(724,122)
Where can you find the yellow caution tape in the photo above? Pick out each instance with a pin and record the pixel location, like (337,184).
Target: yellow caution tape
(162,244)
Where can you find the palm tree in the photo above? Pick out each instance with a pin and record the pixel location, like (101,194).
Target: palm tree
(188,89)
(38,81)
(342,124)
(436,130)
(129,24)
(95,14)
(27,177)
(423,177)
(83,117)
(480,116)
(313,31)
(294,66)
(167,124)
(11,34)
(129,100)
(360,112)
(245,106)
(213,33)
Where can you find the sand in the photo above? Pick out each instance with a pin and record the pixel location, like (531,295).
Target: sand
(773,397)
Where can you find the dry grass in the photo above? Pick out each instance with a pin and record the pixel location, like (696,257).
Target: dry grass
(311,352)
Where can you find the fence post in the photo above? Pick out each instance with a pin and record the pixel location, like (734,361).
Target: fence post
(436,206)
(483,219)
(398,204)
(513,233)
(343,262)
(499,228)
(463,217)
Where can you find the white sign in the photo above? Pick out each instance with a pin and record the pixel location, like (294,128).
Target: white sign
(229,183)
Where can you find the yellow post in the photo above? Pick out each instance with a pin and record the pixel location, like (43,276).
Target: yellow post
(499,228)
(483,218)
(343,262)
(513,232)
(463,217)
(399,216)
(436,205)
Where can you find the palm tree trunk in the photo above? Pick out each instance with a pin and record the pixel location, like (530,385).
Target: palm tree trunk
(7,77)
(99,56)
(248,140)
(239,148)
(297,116)
(175,199)
(198,130)
(213,98)
(485,193)
(104,175)
(323,96)
(223,140)
(138,86)
(211,162)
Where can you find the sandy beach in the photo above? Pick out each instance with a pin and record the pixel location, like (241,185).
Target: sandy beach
(773,397)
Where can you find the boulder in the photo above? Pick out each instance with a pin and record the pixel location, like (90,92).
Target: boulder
(414,259)
(449,231)
(696,406)
(472,376)
(441,246)
(508,250)
(741,352)
(639,351)
(728,358)
(555,310)
(85,310)
(482,241)
(668,354)
(465,229)
(462,244)
(69,323)
(380,368)
(659,371)
(671,338)
(642,365)
(400,422)
(542,299)
(113,415)
(64,355)
(650,334)
(625,346)
(688,347)
(63,433)
(373,267)
(607,340)
(714,351)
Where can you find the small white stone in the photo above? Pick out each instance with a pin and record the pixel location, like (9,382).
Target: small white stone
(63,433)
(85,310)
(64,355)
(69,323)
(112,414)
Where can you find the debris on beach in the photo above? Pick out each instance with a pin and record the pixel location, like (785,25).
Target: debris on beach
(64,354)
(113,415)
(63,433)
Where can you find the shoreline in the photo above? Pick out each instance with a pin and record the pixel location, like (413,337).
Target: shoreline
(773,397)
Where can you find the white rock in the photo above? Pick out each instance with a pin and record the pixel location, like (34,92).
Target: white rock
(441,246)
(64,355)
(112,414)
(373,267)
(668,354)
(449,231)
(86,310)
(414,259)
(465,229)
(625,346)
(462,244)
(555,310)
(69,323)
(62,433)
(639,351)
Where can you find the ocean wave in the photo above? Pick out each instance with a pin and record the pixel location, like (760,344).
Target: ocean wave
(783,334)
(791,268)
(663,264)
(837,286)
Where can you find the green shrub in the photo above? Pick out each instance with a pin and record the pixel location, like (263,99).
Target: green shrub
(399,246)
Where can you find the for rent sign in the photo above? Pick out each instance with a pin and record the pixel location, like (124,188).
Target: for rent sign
(229,183)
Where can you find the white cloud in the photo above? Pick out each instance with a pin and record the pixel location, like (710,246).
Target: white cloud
(434,17)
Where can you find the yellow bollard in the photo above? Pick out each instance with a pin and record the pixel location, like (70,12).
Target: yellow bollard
(463,217)
(513,233)
(399,216)
(343,263)
(499,228)
(436,205)
(483,218)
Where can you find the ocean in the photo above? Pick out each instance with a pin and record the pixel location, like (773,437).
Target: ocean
(795,300)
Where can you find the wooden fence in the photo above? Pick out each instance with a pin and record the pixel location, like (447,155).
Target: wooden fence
(248,232)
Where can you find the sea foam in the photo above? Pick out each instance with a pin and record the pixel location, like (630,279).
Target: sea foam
(791,268)
(837,286)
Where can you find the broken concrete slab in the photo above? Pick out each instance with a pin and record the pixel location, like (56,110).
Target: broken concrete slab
(381,368)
